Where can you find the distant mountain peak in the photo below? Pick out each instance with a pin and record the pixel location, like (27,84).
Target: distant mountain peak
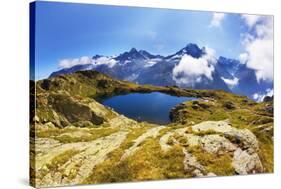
(191,45)
(133,50)
(96,56)
(190,49)
(143,51)
(133,54)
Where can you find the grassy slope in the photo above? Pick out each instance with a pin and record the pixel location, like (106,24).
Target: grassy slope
(65,101)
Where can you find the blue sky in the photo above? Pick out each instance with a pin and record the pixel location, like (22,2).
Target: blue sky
(68,30)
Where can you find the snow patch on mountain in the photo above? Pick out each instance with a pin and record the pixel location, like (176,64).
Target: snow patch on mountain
(132,77)
(231,82)
(176,56)
(150,63)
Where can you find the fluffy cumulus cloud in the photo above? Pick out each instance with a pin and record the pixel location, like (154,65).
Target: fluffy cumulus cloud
(68,63)
(258,44)
(243,58)
(109,61)
(251,20)
(191,70)
(260,96)
(217,19)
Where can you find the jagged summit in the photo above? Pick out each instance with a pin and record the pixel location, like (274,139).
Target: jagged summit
(131,55)
(190,49)
(96,56)
(133,50)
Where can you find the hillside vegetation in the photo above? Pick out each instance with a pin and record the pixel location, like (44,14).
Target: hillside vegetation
(77,140)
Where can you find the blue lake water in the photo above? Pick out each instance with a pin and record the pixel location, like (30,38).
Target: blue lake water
(151,107)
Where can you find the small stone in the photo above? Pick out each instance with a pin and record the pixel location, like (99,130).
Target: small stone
(49,125)
(36,118)
(211,174)
(197,173)
(45,168)
(229,105)
(192,122)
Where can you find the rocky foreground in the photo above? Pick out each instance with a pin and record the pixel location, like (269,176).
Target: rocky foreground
(77,140)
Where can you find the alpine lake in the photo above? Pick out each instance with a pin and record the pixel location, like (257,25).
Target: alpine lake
(151,107)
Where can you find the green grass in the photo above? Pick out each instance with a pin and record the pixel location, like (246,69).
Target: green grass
(56,162)
(266,150)
(104,170)
(206,132)
(149,162)
(59,160)
(65,135)
(220,164)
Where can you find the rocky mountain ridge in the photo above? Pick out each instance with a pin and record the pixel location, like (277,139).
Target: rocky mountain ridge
(142,67)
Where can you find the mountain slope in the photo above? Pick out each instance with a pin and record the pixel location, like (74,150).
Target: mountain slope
(80,141)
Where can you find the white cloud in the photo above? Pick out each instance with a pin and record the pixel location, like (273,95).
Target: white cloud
(243,58)
(210,53)
(258,45)
(67,63)
(217,19)
(260,96)
(251,20)
(191,70)
(231,82)
(109,61)
(260,52)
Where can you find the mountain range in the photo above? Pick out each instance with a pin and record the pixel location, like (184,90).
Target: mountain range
(190,67)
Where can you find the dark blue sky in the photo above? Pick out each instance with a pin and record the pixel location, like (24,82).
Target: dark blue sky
(69,30)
